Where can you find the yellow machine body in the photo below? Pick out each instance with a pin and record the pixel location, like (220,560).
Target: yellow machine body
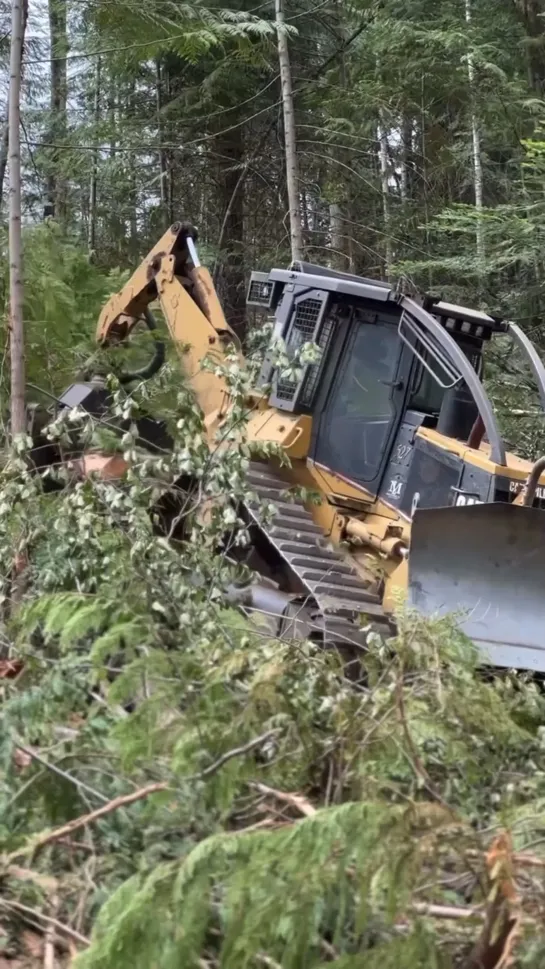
(451,520)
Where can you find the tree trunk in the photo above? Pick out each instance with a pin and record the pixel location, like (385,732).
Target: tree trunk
(230,274)
(476,147)
(292,174)
(336,259)
(163,160)
(4,143)
(92,228)
(385,192)
(56,181)
(337,233)
(112,116)
(531,14)
(405,155)
(133,179)
(17,347)
(115,231)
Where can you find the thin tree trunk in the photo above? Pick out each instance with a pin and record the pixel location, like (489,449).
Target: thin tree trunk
(116,230)
(476,147)
(163,161)
(385,191)
(422,141)
(133,180)
(336,259)
(405,153)
(337,235)
(112,116)
(304,201)
(4,145)
(232,172)
(169,155)
(92,228)
(17,346)
(292,174)
(531,14)
(56,182)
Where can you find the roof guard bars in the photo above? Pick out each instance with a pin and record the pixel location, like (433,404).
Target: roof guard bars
(466,371)
(407,322)
(534,359)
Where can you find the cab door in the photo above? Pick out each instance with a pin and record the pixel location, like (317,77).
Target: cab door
(361,405)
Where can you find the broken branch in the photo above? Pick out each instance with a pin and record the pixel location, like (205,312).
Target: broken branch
(235,752)
(85,819)
(48,919)
(295,800)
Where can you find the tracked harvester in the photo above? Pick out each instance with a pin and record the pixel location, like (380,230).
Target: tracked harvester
(392,426)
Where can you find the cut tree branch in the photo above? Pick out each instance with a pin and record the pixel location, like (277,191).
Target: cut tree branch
(294,800)
(48,919)
(67,829)
(235,752)
(446,911)
(61,773)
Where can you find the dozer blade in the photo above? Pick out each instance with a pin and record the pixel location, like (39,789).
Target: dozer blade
(487,564)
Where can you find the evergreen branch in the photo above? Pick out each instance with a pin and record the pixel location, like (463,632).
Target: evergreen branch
(61,773)
(77,56)
(123,800)
(411,751)
(81,822)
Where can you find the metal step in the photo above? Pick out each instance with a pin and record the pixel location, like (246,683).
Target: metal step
(331,577)
(264,479)
(311,550)
(289,533)
(349,610)
(269,493)
(319,563)
(292,514)
(331,581)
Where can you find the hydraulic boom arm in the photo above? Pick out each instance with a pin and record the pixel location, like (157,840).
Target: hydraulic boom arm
(172,273)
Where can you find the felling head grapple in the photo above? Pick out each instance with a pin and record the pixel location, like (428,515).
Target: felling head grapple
(392,426)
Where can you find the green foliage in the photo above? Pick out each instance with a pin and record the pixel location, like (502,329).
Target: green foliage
(137,671)
(407,771)
(136,668)
(344,876)
(64,294)
(327,877)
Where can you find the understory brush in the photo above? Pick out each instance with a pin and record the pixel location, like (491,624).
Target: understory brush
(180,788)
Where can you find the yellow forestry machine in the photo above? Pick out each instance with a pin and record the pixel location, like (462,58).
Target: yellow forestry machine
(392,426)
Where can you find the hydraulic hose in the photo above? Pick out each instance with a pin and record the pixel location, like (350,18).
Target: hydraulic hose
(157,360)
(532,482)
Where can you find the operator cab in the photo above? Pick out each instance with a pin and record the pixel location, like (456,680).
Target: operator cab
(389,365)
